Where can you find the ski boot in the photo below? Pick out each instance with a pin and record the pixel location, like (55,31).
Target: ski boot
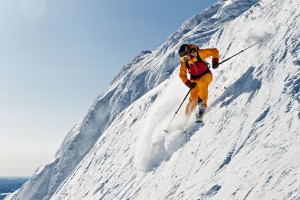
(199,117)
(201,111)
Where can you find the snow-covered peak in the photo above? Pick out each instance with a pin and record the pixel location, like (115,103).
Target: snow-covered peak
(249,146)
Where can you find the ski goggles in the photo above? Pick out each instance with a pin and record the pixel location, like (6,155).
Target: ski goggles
(189,55)
(184,52)
(187,51)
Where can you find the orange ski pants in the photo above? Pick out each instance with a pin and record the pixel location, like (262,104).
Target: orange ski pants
(200,91)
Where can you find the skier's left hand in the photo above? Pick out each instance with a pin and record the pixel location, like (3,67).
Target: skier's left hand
(215,65)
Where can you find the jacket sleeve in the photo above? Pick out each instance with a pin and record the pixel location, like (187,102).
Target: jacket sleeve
(206,53)
(183,74)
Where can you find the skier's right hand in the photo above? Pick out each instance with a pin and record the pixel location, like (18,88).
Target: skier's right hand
(191,85)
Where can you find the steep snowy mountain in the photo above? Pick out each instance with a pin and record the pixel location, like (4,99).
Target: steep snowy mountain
(249,147)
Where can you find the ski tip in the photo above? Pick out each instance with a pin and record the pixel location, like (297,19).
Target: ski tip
(201,124)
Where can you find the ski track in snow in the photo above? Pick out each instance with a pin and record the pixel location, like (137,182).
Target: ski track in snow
(249,146)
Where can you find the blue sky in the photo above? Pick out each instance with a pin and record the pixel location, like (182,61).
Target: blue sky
(56,56)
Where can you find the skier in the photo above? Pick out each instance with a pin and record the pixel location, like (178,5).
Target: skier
(193,61)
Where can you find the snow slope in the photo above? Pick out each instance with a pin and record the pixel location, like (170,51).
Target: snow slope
(249,147)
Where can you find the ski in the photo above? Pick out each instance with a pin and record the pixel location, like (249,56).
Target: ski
(193,128)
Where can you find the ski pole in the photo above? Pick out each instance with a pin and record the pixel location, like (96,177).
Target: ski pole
(237,54)
(166,130)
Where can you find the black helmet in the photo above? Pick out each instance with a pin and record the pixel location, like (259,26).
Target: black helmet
(183,50)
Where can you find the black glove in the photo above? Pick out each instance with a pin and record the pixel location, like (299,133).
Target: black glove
(192,85)
(215,65)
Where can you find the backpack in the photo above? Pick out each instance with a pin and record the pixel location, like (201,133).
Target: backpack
(199,68)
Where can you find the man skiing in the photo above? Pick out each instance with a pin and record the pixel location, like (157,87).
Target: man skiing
(193,61)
